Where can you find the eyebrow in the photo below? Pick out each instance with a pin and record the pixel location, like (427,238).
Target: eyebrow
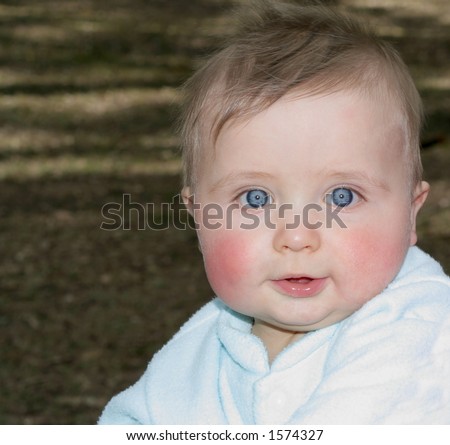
(243,176)
(338,175)
(356,175)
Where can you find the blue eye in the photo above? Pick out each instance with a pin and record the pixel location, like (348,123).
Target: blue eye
(341,197)
(255,198)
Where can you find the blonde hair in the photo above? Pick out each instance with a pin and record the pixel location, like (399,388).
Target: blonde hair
(281,48)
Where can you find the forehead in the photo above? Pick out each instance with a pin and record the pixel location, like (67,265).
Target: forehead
(348,121)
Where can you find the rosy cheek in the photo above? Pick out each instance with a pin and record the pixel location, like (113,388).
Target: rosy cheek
(227,263)
(374,259)
(375,252)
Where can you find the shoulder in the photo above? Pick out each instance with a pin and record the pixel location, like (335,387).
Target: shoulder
(181,379)
(167,380)
(202,320)
(197,335)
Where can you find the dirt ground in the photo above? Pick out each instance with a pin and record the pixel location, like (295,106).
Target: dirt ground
(88,94)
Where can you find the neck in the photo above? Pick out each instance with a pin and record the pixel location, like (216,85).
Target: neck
(274,338)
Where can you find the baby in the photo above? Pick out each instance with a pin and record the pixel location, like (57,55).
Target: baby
(302,172)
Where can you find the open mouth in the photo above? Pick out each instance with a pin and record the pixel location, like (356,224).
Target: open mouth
(303,280)
(302,286)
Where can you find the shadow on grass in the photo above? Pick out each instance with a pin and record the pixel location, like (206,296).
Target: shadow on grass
(85,308)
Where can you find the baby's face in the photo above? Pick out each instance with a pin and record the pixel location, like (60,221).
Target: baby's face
(317,211)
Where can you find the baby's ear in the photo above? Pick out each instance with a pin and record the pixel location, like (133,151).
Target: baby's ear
(188,199)
(420,195)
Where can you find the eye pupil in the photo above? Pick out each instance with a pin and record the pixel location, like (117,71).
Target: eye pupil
(257,198)
(342,197)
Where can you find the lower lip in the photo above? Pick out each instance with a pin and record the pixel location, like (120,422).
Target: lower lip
(299,289)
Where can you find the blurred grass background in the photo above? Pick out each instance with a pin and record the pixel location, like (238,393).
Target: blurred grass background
(88,95)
